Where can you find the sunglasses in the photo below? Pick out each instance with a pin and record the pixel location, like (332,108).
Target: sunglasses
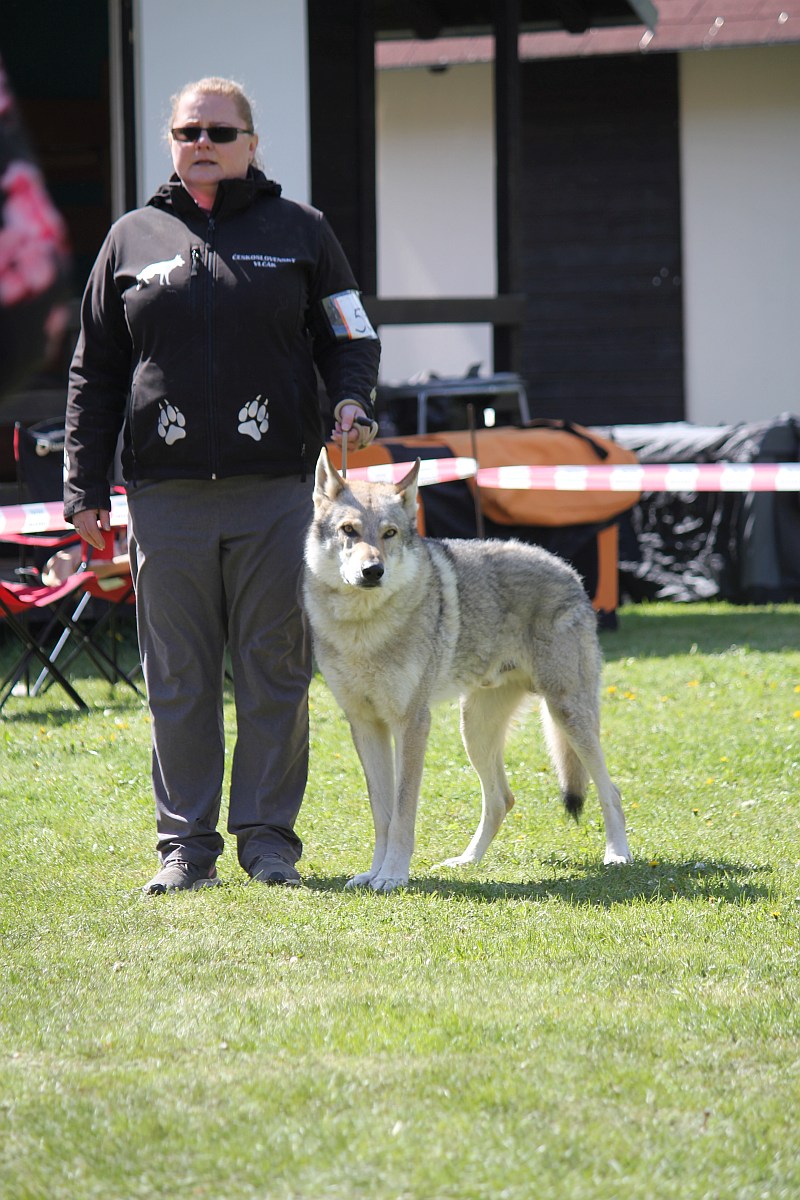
(216,133)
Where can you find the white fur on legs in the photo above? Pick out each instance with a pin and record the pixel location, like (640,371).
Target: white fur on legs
(410,743)
(394,814)
(374,746)
(485,716)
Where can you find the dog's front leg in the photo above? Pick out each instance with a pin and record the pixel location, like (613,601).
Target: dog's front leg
(373,743)
(410,742)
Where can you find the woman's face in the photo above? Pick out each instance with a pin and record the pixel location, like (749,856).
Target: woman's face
(202,164)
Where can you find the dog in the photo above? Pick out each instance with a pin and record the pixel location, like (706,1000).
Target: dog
(401,622)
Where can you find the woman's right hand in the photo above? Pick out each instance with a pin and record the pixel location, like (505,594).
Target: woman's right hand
(91,524)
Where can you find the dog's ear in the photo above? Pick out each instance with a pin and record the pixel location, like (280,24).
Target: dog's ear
(407,488)
(328,483)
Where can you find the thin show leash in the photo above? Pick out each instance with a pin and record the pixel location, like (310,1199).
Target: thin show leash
(345,440)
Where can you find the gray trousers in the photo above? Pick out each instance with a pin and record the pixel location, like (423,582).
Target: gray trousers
(218,563)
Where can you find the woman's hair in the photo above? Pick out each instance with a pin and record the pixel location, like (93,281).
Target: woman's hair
(215,86)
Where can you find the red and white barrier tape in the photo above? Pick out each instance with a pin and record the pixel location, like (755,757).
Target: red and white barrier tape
(647,477)
(431,470)
(49,518)
(625,477)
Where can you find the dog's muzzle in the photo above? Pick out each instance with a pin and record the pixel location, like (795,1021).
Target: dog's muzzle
(371,574)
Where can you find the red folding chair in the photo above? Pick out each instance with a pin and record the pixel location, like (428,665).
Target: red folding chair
(109,580)
(21,600)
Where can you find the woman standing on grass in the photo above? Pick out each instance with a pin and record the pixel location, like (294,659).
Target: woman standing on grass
(202,321)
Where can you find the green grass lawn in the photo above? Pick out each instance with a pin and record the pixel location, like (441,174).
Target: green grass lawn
(539,1027)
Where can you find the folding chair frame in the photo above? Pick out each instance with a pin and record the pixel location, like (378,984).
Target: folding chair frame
(33,647)
(105,663)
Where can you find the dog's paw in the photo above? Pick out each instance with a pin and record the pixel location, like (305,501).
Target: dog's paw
(461,860)
(388,883)
(360,881)
(614,858)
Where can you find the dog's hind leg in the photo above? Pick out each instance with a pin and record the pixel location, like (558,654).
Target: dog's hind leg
(578,723)
(485,716)
(373,743)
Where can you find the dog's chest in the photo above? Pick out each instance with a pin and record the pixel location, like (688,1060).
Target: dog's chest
(382,685)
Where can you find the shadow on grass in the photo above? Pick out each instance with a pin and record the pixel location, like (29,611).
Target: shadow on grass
(39,711)
(648,633)
(599,886)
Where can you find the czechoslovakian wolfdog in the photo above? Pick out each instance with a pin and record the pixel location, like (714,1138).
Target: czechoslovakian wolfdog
(401,622)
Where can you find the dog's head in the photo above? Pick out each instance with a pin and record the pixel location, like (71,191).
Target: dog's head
(360,530)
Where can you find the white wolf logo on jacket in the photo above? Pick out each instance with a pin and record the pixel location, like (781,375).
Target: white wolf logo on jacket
(162,269)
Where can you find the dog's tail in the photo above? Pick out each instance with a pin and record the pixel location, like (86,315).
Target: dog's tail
(573,804)
(572,775)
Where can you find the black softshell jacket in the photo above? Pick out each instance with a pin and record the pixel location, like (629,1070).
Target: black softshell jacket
(199,336)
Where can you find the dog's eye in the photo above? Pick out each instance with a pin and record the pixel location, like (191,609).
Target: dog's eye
(387,533)
(349,530)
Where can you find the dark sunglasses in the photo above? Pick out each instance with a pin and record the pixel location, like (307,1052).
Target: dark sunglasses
(216,133)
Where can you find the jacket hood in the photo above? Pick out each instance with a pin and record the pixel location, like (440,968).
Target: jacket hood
(232,194)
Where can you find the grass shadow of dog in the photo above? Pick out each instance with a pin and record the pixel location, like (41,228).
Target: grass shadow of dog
(593,885)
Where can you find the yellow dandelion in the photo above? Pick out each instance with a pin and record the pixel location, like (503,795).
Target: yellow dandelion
(693,683)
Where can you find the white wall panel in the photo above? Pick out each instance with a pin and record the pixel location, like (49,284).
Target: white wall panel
(259,43)
(436,210)
(740,148)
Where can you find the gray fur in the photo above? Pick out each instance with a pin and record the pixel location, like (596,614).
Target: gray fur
(402,622)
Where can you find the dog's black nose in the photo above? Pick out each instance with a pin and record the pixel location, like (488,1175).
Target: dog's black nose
(372,573)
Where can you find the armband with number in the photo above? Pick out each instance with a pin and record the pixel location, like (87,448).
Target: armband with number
(342,318)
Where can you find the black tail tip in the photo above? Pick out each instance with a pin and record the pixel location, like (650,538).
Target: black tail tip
(573,804)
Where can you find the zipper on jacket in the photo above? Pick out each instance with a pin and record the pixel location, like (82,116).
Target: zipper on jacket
(213,440)
(196,257)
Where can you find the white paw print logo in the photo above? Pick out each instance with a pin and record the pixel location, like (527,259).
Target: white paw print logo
(171,424)
(253,419)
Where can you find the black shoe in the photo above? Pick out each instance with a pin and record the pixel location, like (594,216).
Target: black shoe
(181,877)
(276,873)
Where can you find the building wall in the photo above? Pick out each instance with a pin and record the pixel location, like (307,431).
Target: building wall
(740,150)
(262,46)
(436,210)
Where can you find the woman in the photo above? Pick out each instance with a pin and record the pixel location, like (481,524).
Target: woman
(202,321)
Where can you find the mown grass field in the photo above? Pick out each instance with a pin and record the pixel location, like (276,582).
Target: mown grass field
(541,1026)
